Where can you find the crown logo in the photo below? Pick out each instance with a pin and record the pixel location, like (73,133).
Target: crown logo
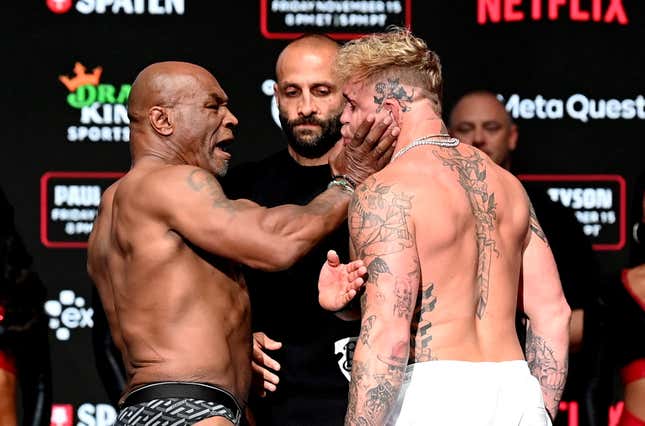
(81,77)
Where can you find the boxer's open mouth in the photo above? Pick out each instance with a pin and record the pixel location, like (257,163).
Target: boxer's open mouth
(224,145)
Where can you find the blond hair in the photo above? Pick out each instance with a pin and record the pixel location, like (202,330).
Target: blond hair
(395,53)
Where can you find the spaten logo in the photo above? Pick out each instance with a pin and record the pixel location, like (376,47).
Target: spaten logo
(119,7)
(67,313)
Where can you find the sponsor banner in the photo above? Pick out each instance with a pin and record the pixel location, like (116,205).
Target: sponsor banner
(117,7)
(101,107)
(496,11)
(569,413)
(68,313)
(340,19)
(87,414)
(69,202)
(598,201)
(578,107)
(62,415)
(344,351)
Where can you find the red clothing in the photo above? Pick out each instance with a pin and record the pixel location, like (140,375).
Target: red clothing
(628,419)
(7,362)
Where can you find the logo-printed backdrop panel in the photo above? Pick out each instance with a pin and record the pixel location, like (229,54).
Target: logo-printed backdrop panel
(569,72)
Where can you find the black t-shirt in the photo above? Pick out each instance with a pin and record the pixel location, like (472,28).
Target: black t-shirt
(315,353)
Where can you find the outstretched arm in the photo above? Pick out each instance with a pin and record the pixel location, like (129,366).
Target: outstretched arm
(382,234)
(193,204)
(547,338)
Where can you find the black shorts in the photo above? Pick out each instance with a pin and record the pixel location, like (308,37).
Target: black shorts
(177,403)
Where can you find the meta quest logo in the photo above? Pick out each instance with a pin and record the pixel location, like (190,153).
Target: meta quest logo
(102,107)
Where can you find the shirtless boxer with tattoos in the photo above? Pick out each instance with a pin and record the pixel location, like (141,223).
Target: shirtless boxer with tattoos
(166,245)
(452,246)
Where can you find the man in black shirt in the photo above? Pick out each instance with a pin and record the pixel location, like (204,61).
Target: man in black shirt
(313,347)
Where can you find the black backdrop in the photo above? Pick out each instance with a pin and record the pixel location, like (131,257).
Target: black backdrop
(583,57)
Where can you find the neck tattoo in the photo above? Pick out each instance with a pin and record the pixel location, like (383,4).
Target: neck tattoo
(445,141)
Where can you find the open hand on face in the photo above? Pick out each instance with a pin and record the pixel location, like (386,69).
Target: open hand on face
(367,151)
(339,283)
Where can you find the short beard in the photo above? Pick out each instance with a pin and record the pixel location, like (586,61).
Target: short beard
(221,171)
(314,146)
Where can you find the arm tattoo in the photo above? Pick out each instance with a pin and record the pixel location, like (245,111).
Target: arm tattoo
(544,365)
(472,178)
(373,391)
(403,306)
(376,267)
(392,89)
(378,223)
(205,183)
(380,231)
(535,225)
(366,327)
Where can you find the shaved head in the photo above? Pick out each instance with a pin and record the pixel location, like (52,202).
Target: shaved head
(309,97)
(480,119)
(309,44)
(164,83)
(179,112)
(483,96)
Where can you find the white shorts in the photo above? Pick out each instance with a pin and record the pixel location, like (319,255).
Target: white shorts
(470,394)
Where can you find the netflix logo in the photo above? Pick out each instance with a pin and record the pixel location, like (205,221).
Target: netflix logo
(497,11)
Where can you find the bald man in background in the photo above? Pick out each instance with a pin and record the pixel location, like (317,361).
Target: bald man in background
(303,351)
(480,119)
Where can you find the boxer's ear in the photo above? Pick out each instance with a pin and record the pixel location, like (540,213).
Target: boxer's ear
(159,118)
(393,109)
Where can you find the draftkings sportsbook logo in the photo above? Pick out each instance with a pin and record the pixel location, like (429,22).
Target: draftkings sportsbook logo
(118,7)
(68,313)
(102,107)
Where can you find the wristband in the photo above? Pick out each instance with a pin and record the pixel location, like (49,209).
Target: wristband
(351,181)
(343,182)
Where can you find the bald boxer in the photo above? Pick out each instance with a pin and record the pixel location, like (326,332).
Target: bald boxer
(451,243)
(166,247)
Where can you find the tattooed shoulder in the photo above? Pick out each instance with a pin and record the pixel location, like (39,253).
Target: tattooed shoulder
(204,182)
(536,228)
